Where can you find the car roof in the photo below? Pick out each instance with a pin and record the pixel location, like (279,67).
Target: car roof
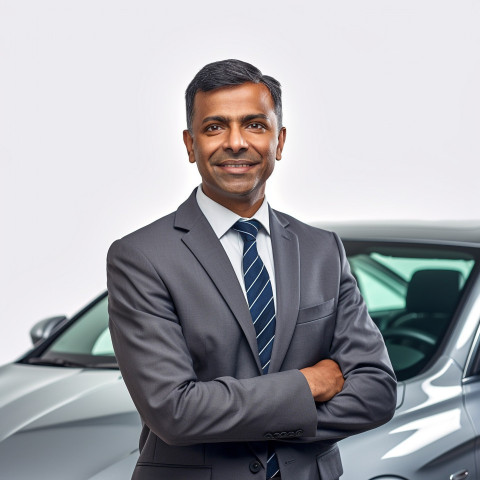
(452,232)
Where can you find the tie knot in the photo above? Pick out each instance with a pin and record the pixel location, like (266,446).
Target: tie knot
(248,229)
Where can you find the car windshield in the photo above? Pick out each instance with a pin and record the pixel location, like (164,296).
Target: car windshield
(412,293)
(86,342)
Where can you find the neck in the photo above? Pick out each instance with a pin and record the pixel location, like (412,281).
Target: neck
(244,206)
(246,210)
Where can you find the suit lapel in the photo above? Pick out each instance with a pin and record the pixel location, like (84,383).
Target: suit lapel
(286,257)
(204,244)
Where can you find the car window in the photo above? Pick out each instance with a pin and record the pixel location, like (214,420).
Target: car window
(406,267)
(87,339)
(411,293)
(382,291)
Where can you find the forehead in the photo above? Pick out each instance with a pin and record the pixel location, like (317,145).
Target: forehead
(236,101)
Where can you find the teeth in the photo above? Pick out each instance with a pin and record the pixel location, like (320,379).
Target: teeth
(238,165)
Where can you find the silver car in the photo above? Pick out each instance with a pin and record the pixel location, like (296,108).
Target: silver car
(65,412)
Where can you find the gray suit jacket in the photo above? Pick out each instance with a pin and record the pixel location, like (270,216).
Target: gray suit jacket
(186,346)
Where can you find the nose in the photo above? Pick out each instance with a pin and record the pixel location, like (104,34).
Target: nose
(235,140)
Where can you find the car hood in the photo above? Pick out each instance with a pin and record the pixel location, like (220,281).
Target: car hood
(58,422)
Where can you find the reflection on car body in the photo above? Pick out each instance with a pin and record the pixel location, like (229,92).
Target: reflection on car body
(65,401)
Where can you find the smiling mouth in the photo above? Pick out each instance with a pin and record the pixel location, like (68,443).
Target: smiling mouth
(237,165)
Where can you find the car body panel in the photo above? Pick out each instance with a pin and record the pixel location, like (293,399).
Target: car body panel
(79,421)
(429,438)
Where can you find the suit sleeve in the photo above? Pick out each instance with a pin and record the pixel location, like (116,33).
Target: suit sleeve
(368,397)
(158,370)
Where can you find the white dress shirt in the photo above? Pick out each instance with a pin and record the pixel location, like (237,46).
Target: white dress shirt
(222,220)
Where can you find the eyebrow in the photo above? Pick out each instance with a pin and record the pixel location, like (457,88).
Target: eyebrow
(245,118)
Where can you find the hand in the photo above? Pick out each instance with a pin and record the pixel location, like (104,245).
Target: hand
(325,380)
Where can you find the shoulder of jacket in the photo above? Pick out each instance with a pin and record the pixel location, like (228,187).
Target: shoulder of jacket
(299,227)
(156,232)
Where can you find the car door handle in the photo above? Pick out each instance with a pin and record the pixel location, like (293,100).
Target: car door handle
(461,475)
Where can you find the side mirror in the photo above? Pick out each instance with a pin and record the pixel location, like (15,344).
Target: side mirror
(44,328)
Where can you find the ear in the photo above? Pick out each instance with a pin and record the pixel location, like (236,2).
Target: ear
(282,135)
(188,141)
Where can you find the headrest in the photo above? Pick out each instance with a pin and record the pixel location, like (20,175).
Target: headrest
(433,291)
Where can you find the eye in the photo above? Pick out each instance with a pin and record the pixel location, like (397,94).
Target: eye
(256,126)
(212,128)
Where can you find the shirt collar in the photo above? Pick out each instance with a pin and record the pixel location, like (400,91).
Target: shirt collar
(222,219)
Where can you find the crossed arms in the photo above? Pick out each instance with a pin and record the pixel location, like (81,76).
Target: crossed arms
(316,402)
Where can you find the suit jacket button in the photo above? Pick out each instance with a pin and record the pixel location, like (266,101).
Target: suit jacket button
(255,466)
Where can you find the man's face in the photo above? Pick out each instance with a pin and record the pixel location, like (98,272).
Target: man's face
(235,141)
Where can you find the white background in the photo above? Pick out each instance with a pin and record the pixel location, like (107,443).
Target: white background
(381,103)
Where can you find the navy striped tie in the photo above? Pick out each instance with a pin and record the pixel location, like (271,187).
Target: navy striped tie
(260,302)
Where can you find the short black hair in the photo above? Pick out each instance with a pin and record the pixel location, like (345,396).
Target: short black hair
(226,73)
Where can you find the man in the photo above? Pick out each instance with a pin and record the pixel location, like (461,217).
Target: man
(239,331)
